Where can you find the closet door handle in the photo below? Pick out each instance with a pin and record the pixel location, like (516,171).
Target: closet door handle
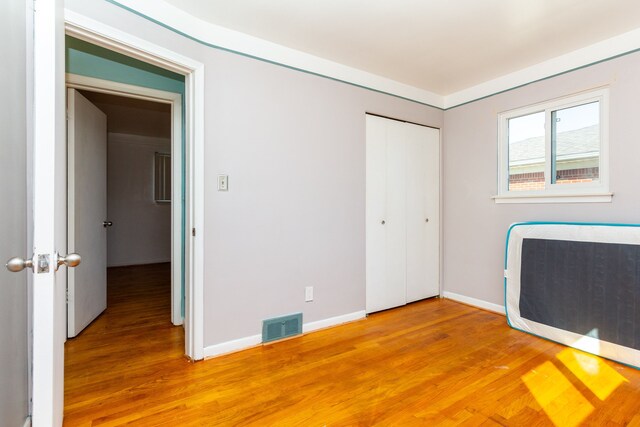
(426,220)
(383,222)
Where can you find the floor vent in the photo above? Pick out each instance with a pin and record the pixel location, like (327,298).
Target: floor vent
(281,327)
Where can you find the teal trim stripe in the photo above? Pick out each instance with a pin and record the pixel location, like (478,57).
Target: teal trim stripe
(183,202)
(545,78)
(268,61)
(87,59)
(155,21)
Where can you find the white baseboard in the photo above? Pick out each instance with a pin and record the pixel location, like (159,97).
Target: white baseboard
(254,340)
(475,302)
(333,321)
(232,346)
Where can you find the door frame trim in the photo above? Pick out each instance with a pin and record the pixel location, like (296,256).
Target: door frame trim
(92,84)
(87,29)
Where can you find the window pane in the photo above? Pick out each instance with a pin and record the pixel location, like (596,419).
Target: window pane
(575,139)
(526,152)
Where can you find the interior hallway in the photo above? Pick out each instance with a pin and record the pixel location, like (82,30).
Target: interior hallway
(127,347)
(433,362)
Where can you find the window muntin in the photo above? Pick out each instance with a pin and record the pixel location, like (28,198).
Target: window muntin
(162,178)
(556,148)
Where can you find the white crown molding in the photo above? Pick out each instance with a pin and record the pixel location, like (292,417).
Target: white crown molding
(204,32)
(598,52)
(179,21)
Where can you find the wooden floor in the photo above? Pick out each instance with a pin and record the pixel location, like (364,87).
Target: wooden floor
(434,362)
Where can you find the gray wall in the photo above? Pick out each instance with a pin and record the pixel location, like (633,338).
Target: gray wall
(15,308)
(475,227)
(141,231)
(293,145)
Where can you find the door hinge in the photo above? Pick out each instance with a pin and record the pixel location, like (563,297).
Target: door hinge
(193,232)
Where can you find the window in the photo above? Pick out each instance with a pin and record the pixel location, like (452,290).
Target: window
(554,151)
(162,178)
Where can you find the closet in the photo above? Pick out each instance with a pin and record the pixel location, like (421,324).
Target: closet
(402,212)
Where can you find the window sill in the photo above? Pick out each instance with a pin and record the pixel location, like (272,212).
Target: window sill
(554,198)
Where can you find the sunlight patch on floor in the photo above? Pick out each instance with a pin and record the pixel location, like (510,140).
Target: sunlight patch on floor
(559,399)
(601,379)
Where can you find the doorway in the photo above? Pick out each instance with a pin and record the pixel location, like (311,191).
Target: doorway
(120,197)
(48,189)
(144,123)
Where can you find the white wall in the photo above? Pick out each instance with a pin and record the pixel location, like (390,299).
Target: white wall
(475,227)
(141,231)
(293,145)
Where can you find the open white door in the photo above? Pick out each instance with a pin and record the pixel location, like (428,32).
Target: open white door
(49,213)
(87,186)
(14,357)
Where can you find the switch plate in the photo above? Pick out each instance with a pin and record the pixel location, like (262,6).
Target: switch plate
(223,182)
(308,294)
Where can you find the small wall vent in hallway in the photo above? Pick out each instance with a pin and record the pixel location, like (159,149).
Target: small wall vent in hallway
(281,327)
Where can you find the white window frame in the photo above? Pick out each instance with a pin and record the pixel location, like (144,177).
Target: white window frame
(556,193)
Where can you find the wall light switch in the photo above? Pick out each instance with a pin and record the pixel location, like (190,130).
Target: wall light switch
(223,182)
(308,293)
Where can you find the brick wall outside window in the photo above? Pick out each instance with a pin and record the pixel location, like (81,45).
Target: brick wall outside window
(535,180)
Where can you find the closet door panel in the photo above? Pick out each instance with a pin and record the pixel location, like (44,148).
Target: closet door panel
(432,170)
(422,170)
(395,221)
(376,238)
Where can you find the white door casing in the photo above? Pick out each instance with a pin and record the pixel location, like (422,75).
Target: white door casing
(95,32)
(87,209)
(14,355)
(402,213)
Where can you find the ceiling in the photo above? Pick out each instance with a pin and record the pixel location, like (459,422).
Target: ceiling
(436,45)
(133,116)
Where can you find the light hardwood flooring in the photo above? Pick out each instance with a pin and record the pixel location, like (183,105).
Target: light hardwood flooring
(434,362)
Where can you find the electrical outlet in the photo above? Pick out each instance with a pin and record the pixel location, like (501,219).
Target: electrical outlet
(308,293)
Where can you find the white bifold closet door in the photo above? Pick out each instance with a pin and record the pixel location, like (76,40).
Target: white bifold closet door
(402,213)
